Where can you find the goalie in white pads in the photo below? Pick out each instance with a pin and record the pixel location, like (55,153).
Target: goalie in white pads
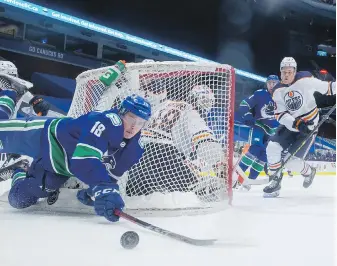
(297,112)
(181,152)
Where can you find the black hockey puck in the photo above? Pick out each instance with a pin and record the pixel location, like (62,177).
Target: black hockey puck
(129,240)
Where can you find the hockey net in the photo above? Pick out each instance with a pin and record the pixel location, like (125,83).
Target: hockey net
(169,179)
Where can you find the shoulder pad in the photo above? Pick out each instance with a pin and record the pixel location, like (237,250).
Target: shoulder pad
(279,85)
(114,118)
(302,74)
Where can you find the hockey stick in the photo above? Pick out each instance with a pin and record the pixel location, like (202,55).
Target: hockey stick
(192,241)
(290,155)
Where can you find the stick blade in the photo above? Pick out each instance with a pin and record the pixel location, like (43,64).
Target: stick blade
(201,242)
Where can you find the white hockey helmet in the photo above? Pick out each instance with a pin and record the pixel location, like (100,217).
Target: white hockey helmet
(288,62)
(202,96)
(8,68)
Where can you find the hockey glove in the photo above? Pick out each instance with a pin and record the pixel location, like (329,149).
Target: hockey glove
(248,119)
(107,200)
(302,126)
(84,196)
(40,106)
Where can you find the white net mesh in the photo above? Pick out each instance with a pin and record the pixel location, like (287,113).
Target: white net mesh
(185,168)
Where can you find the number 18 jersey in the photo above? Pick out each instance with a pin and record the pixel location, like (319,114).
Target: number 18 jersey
(74,147)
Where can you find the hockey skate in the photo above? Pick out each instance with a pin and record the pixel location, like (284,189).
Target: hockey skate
(309,178)
(273,189)
(53,197)
(13,162)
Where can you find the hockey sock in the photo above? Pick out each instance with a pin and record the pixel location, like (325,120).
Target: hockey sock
(273,167)
(18,174)
(246,161)
(256,169)
(306,171)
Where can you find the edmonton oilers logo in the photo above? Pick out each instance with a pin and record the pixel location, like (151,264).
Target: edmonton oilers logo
(293,100)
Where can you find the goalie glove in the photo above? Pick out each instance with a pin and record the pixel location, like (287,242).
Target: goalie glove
(17,84)
(208,180)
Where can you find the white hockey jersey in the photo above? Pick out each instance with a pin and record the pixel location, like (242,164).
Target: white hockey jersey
(177,123)
(297,101)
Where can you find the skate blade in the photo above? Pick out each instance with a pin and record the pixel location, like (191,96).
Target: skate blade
(271,195)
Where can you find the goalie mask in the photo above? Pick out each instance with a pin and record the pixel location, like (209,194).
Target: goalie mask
(8,68)
(202,98)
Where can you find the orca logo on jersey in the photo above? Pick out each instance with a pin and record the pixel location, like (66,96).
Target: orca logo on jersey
(293,100)
(267,111)
(115,119)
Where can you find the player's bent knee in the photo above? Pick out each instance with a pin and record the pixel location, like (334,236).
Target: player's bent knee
(273,150)
(20,200)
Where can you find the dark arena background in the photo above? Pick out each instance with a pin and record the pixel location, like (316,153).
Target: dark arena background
(51,42)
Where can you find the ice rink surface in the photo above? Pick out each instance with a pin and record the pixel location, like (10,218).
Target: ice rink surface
(296,229)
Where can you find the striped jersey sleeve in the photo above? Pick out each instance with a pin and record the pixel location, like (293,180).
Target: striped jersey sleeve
(7,103)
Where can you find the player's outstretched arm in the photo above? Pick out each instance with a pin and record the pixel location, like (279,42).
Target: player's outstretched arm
(86,164)
(323,87)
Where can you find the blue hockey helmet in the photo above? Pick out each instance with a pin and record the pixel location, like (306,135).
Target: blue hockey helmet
(273,77)
(136,105)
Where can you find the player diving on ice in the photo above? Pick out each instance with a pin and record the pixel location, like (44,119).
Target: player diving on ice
(297,112)
(178,138)
(97,148)
(257,112)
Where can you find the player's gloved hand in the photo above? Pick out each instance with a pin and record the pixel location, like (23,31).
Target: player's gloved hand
(84,196)
(248,119)
(302,126)
(40,106)
(107,200)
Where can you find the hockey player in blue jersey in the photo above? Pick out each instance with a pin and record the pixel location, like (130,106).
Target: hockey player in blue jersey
(257,112)
(67,147)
